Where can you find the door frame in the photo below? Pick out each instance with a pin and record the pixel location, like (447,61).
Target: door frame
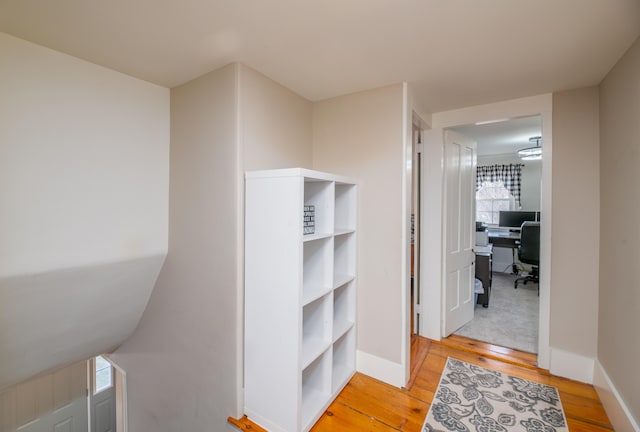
(432,211)
(416,214)
(410,117)
(122,419)
(120,387)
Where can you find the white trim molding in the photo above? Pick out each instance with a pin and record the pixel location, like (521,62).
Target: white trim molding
(617,411)
(571,365)
(380,369)
(120,380)
(405,280)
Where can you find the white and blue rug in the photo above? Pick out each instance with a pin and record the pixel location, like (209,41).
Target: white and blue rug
(472,398)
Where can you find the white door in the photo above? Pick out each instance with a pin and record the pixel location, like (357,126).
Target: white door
(103,396)
(459,216)
(55,402)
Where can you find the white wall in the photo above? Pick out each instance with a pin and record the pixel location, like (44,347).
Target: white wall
(182,361)
(576,226)
(276,129)
(360,136)
(275,124)
(619,295)
(84,173)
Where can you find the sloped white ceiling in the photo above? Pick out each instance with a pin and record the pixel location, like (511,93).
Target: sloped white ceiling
(454,53)
(84,196)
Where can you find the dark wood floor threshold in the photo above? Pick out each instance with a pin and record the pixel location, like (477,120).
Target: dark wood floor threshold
(419,350)
(496,352)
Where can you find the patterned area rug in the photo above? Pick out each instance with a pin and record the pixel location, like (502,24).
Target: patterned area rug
(472,398)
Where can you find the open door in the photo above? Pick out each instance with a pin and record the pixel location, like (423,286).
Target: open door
(102,400)
(460,155)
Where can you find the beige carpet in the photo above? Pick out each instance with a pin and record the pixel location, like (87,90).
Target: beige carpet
(511,320)
(472,398)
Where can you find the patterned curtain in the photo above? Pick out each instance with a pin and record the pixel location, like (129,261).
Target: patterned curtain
(510,175)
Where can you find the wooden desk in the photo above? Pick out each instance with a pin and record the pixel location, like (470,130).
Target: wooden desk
(484,268)
(506,239)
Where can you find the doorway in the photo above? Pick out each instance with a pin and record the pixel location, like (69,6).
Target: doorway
(508,188)
(432,211)
(61,399)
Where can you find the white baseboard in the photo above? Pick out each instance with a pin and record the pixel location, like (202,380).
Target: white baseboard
(619,415)
(381,369)
(570,365)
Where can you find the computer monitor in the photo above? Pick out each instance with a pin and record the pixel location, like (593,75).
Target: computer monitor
(514,219)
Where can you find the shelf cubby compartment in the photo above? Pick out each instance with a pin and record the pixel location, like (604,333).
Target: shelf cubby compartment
(342,279)
(317,269)
(344,299)
(344,258)
(316,389)
(320,194)
(345,207)
(316,328)
(343,360)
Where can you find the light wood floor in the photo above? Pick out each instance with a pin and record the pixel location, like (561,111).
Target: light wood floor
(367,404)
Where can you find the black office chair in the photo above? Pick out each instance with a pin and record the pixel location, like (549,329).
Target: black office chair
(529,251)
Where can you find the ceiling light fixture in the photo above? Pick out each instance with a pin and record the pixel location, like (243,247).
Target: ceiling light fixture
(532,153)
(486,122)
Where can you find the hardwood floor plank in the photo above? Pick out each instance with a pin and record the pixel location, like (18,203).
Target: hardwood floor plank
(428,378)
(367,404)
(422,394)
(391,406)
(580,408)
(244,424)
(340,417)
(581,426)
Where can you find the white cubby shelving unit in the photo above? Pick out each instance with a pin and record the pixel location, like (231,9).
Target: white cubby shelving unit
(300,296)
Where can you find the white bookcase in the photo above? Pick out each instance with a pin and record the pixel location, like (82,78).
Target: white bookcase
(300,296)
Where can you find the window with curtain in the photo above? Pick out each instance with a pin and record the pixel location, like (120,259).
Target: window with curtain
(497,189)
